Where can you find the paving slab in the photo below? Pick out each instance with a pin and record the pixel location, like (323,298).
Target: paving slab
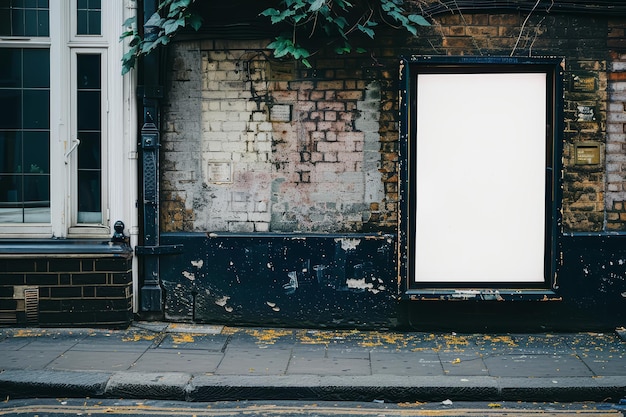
(187,361)
(193,341)
(538,366)
(463,364)
(254,361)
(605,363)
(77,360)
(304,365)
(406,363)
(28,359)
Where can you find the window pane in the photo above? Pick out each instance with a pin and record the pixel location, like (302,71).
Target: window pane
(94,23)
(12,189)
(89,110)
(17,23)
(24,18)
(82,27)
(36,109)
(36,152)
(24,135)
(43,22)
(36,68)
(36,190)
(88,16)
(30,22)
(88,72)
(11,68)
(37,215)
(89,150)
(11,103)
(10,156)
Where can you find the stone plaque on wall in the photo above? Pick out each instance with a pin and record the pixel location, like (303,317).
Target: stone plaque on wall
(219,172)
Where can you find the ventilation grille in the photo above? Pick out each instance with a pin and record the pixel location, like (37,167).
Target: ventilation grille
(31,295)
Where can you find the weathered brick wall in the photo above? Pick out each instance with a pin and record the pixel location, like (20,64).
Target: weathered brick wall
(230,164)
(616,129)
(253,147)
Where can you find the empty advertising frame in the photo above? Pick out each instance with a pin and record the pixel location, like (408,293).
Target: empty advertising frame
(479,189)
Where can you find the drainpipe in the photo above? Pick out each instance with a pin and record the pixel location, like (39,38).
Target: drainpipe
(150,93)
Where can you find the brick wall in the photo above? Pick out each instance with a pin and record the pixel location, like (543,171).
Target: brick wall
(255,146)
(331,166)
(616,129)
(68,289)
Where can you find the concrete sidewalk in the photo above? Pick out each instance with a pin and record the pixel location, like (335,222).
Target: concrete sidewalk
(211,363)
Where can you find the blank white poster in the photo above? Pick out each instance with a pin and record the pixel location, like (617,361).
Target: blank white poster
(480,177)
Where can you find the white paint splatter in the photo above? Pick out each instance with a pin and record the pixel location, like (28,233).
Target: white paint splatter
(198,264)
(359,284)
(222,301)
(189,275)
(349,244)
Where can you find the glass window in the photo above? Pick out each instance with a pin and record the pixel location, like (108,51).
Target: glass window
(24,18)
(89,127)
(24,135)
(88,17)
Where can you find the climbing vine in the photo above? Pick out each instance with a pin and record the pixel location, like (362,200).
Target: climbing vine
(170,17)
(337,22)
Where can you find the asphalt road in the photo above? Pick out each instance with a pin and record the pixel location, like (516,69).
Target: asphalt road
(95,407)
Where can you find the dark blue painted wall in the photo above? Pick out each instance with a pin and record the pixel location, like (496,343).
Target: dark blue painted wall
(281,279)
(349,281)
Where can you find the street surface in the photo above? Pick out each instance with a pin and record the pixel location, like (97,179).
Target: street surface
(97,407)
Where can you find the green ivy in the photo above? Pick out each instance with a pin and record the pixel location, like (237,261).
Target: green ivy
(171,16)
(337,21)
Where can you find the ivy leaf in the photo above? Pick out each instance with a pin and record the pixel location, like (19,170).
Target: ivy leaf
(176,7)
(130,21)
(195,21)
(155,20)
(269,12)
(369,32)
(171,26)
(418,20)
(316,5)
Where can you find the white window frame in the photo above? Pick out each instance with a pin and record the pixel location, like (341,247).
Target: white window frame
(104,35)
(100,228)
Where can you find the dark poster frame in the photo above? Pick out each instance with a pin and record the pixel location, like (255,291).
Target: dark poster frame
(409,69)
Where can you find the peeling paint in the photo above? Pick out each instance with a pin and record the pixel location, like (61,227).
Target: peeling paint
(292,285)
(359,284)
(348,244)
(189,275)
(198,264)
(223,302)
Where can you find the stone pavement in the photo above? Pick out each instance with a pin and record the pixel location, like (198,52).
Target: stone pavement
(213,363)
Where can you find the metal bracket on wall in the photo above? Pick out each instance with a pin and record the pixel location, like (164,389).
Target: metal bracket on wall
(159,250)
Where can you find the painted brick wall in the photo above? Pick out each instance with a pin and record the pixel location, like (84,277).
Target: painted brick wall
(68,289)
(251,146)
(230,164)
